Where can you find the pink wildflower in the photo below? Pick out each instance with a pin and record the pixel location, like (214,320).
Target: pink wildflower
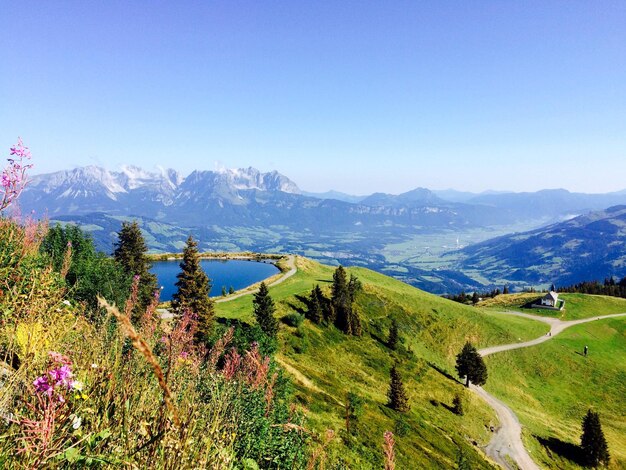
(43,386)
(62,376)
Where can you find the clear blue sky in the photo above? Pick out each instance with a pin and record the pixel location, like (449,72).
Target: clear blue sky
(354,96)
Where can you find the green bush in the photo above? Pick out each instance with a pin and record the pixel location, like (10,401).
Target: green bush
(293,319)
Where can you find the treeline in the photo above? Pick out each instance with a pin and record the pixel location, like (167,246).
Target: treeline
(476,296)
(610,286)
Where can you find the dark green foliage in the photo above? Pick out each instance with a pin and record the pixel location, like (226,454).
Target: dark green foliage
(224,292)
(130,253)
(293,319)
(505,290)
(353,411)
(592,442)
(320,307)
(344,293)
(193,291)
(315,313)
(470,364)
(264,310)
(475,298)
(89,273)
(393,339)
(398,399)
(457,405)
(231,290)
(259,430)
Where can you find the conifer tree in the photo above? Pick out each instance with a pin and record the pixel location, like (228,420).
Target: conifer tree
(398,399)
(475,298)
(592,442)
(193,291)
(325,304)
(315,313)
(393,339)
(470,364)
(343,295)
(130,253)
(264,309)
(505,290)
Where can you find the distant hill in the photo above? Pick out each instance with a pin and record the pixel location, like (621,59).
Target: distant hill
(588,247)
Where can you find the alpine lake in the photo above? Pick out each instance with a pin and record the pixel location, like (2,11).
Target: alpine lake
(235,273)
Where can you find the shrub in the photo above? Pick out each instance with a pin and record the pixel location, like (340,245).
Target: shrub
(293,319)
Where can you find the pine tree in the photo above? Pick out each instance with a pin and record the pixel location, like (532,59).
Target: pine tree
(470,364)
(505,290)
(344,293)
(592,442)
(193,291)
(130,253)
(264,309)
(325,304)
(315,313)
(393,339)
(398,399)
(475,298)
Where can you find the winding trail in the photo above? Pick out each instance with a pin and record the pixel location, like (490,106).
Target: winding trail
(291,262)
(507,439)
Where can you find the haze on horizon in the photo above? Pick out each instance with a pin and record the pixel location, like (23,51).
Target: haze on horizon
(351,97)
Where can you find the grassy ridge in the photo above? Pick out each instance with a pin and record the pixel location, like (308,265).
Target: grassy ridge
(326,365)
(577,306)
(551,386)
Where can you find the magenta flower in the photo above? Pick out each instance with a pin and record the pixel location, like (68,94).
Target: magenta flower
(43,386)
(62,376)
(20,150)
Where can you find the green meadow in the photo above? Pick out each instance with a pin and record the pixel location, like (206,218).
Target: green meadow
(551,386)
(326,365)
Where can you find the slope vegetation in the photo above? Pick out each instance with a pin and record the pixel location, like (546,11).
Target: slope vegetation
(326,365)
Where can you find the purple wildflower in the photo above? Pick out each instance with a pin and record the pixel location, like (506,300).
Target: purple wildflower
(43,386)
(62,376)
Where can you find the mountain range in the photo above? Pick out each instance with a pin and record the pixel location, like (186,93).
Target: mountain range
(587,247)
(245,209)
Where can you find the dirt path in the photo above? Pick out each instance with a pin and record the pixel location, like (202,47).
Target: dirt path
(507,440)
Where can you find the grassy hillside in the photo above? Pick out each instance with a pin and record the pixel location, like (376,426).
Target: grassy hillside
(576,305)
(551,387)
(327,365)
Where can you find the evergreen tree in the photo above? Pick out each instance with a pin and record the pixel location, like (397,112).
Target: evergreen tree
(398,399)
(315,313)
(470,364)
(475,298)
(592,442)
(224,292)
(505,290)
(130,253)
(264,309)
(394,338)
(325,304)
(344,293)
(231,290)
(193,291)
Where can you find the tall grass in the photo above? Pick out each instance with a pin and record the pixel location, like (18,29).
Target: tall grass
(74,392)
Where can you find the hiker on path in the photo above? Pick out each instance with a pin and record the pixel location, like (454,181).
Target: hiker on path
(586,350)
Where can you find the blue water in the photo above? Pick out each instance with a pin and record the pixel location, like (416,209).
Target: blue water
(236,273)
